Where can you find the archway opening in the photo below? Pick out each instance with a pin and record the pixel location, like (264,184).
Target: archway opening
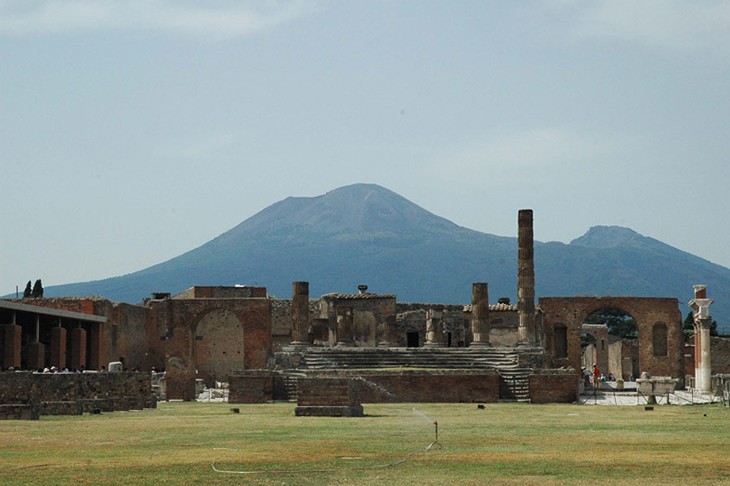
(615,345)
(218,346)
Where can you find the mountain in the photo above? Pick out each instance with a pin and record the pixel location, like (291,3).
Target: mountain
(366,234)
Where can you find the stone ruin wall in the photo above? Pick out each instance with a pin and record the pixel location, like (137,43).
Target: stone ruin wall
(33,394)
(281,321)
(369,314)
(411,317)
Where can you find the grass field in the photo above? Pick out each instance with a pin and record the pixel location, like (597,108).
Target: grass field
(501,444)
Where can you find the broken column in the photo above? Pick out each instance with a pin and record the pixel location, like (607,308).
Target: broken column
(345,330)
(702,322)
(300,314)
(526,279)
(480,314)
(435,328)
(390,332)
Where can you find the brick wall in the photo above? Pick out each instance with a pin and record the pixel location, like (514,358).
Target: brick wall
(553,386)
(647,312)
(330,397)
(182,317)
(251,387)
(424,386)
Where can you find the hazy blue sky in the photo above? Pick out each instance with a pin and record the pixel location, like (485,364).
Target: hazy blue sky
(133,131)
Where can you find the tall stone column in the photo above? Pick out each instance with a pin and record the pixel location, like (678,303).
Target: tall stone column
(300,314)
(480,315)
(345,329)
(435,328)
(702,322)
(526,279)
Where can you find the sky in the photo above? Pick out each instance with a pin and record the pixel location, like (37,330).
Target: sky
(134,131)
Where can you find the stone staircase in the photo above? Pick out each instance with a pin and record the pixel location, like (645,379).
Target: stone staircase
(514,381)
(418,358)
(515,384)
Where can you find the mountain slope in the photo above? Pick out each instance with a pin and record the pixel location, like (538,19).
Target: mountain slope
(367,234)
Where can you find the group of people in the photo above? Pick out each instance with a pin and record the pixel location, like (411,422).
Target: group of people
(595,378)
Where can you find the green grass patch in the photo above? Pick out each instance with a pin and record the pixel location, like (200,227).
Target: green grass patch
(501,444)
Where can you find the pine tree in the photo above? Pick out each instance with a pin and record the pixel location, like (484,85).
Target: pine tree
(37,289)
(27,292)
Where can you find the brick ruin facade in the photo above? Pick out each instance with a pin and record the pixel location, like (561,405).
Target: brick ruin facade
(659,323)
(213,333)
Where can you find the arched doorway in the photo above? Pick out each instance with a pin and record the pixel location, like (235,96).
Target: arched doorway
(613,344)
(218,346)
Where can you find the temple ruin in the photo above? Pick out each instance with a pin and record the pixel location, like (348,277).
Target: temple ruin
(395,351)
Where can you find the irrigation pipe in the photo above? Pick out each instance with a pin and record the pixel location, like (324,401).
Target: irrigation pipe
(312,471)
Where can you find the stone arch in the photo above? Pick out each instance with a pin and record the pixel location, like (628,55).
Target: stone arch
(659,336)
(218,345)
(646,311)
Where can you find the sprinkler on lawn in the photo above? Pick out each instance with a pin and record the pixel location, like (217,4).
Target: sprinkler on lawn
(436,427)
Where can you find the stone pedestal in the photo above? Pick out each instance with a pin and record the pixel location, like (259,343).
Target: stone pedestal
(78,349)
(11,345)
(480,315)
(435,328)
(36,356)
(58,347)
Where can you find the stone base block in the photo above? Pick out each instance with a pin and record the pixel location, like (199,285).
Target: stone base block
(18,411)
(89,405)
(62,408)
(314,411)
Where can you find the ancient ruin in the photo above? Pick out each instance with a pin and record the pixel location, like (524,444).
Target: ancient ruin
(393,351)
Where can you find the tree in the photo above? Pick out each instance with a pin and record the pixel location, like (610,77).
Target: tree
(27,292)
(619,322)
(689,328)
(37,289)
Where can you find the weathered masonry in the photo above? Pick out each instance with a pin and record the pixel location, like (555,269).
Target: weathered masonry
(485,350)
(658,319)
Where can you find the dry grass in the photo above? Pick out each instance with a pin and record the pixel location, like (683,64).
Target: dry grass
(502,444)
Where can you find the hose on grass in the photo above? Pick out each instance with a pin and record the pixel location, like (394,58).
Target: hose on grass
(314,471)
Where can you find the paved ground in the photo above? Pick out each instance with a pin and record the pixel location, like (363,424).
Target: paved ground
(609,396)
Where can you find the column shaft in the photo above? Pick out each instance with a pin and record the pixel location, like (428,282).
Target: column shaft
(300,313)
(11,345)
(526,278)
(435,328)
(58,347)
(345,328)
(480,314)
(78,348)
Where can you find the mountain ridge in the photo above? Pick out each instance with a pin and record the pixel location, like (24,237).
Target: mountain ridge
(364,233)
